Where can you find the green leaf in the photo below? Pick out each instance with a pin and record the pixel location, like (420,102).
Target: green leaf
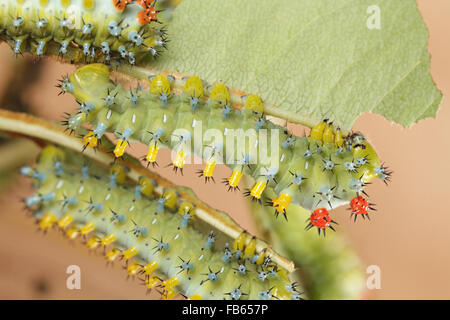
(310,59)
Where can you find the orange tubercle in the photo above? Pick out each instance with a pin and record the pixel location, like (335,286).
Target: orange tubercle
(148,15)
(121,4)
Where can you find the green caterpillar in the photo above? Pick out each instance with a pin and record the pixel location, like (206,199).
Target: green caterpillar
(85,30)
(324,170)
(156,236)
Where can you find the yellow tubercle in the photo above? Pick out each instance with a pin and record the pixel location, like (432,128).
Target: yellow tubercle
(168,294)
(152,282)
(119,171)
(261,257)
(129,253)
(239,242)
(112,254)
(254,103)
(120,148)
(47,221)
(282,202)
(258,189)
(195,296)
(65,221)
(186,208)
(150,267)
(72,233)
(147,186)
(365,150)
(338,138)
(179,159)
(160,84)
(88,4)
(152,153)
(328,134)
(317,131)
(133,269)
(87,228)
(171,199)
(250,248)
(193,87)
(234,178)
(209,168)
(93,243)
(219,93)
(108,239)
(169,283)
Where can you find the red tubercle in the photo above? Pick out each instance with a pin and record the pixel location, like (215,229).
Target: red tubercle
(360,206)
(320,218)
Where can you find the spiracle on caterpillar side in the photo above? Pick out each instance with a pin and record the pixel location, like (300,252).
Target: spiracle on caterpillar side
(323,170)
(85,30)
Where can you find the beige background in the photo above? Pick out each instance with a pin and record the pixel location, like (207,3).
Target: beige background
(408,237)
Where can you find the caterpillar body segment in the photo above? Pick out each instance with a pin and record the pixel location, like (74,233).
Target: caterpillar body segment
(95,30)
(158,240)
(323,170)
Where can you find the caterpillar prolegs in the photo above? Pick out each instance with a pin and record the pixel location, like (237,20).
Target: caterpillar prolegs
(158,237)
(86,30)
(320,171)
